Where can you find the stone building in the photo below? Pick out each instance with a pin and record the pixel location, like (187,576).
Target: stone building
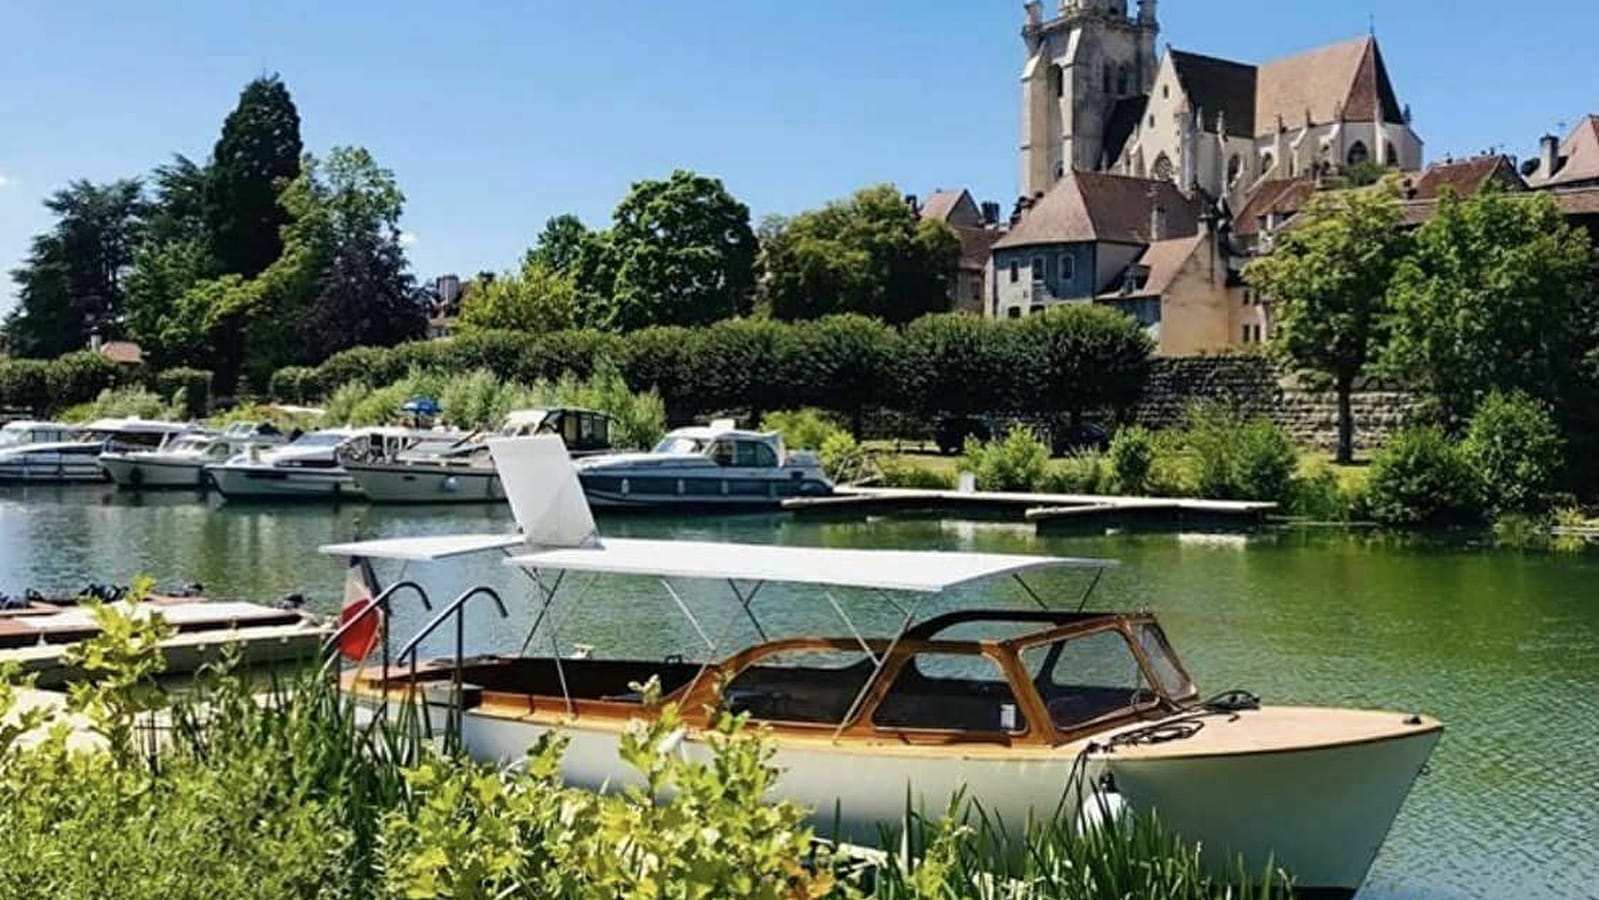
(1569,164)
(977,227)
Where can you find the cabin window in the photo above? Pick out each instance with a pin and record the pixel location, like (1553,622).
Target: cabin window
(1163,662)
(722,452)
(1086,678)
(595,431)
(571,430)
(813,687)
(950,692)
(754,455)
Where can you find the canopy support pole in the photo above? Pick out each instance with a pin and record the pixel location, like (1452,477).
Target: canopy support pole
(877,672)
(850,624)
(745,600)
(1098,574)
(1030,592)
(688,614)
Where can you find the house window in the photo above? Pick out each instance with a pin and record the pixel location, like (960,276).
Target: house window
(1246,334)
(1015,312)
(1267,163)
(1068,267)
(1165,92)
(1015,271)
(1038,268)
(1249,297)
(1109,76)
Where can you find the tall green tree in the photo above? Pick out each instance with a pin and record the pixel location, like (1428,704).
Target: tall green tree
(1327,278)
(257,154)
(537,299)
(560,245)
(682,253)
(72,282)
(1498,294)
(173,256)
(871,254)
(1081,358)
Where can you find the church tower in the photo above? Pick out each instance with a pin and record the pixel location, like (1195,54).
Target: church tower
(1081,63)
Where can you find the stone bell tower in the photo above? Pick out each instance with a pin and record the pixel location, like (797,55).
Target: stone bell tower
(1082,61)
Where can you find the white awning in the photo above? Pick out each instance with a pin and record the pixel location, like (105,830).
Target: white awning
(424,549)
(891,570)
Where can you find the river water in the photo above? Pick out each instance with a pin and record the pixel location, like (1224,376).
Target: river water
(1503,646)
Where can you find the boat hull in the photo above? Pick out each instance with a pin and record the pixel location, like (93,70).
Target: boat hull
(51,468)
(1320,813)
(146,473)
(696,490)
(426,484)
(262,482)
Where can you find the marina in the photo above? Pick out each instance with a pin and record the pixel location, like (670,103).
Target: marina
(1044,510)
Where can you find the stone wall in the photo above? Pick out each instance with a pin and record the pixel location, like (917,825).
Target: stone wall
(1254,385)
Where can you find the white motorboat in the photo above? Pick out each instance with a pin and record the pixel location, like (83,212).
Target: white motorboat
(312,465)
(464,473)
(716,465)
(75,455)
(1028,712)
(182,460)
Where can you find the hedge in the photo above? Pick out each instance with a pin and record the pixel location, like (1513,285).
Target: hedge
(45,387)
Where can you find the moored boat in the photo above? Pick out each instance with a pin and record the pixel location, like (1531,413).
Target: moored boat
(717,465)
(464,472)
(182,460)
(77,458)
(1028,712)
(312,465)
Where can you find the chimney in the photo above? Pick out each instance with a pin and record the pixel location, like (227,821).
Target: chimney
(1157,223)
(1548,156)
(912,202)
(990,212)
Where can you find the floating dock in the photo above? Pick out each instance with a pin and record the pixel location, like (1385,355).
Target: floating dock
(1044,510)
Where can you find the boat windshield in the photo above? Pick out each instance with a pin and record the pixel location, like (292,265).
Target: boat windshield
(11,437)
(192,443)
(1088,677)
(678,444)
(320,439)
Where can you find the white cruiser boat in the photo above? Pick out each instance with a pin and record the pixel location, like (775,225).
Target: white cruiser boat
(1044,711)
(48,452)
(181,461)
(312,465)
(716,465)
(464,473)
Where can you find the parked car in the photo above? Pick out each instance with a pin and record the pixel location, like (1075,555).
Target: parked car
(1081,438)
(951,432)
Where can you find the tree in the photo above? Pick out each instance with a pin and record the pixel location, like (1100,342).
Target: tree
(258,152)
(537,299)
(1497,295)
(1327,279)
(173,256)
(1514,446)
(1079,358)
(871,254)
(682,253)
(959,364)
(560,244)
(349,207)
(72,281)
(841,363)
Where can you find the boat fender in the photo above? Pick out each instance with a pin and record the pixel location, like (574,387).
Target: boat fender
(1102,806)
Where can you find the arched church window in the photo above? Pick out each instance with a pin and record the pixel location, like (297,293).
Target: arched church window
(1163,168)
(1390,156)
(1358,154)
(1235,169)
(1057,81)
(1267,163)
(1124,81)
(1110,76)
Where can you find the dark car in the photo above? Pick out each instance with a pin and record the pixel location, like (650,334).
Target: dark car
(1082,438)
(951,432)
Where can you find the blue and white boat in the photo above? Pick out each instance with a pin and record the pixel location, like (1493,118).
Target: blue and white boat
(717,465)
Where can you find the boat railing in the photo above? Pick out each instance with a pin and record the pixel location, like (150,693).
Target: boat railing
(383,602)
(410,653)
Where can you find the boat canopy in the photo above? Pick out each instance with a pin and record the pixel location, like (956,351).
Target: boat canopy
(424,549)
(887,570)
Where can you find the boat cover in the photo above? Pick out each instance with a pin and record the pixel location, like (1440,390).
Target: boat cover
(423,549)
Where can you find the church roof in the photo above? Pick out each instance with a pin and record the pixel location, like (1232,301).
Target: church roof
(1276,196)
(1348,79)
(1577,159)
(1093,207)
(1219,86)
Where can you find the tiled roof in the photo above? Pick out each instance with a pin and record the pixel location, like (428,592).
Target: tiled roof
(1578,203)
(941,204)
(1277,196)
(1466,177)
(125,353)
(1219,86)
(1099,207)
(1578,157)
(1164,259)
(1348,78)
(976,245)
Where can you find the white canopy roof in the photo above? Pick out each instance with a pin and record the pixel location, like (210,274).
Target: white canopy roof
(891,570)
(424,549)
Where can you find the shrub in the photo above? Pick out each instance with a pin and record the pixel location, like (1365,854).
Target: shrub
(194,386)
(1087,472)
(1210,435)
(1263,464)
(1016,462)
(295,384)
(1422,478)
(122,403)
(1317,495)
(843,459)
(802,429)
(1515,448)
(959,364)
(1081,357)
(898,472)
(1132,454)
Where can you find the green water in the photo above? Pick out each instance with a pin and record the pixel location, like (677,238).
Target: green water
(1503,646)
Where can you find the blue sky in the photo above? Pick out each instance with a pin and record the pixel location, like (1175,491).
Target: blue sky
(496,116)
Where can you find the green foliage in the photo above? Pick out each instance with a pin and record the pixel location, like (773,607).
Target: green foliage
(844,460)
(48,386)
(134,401)
(681,252)
(1236,458)
(1514,447)
(1328,277)
(959,364)
(294,384)
(1016,462)
(842,363)
(871,254)
(1132,455)
(1423,478)
(1079,357)
(258,152)
(1317,494)
(898,472)
(1087,472)
(187,389)
(1498,295)
(536,299)
(662,359)
(802,429)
